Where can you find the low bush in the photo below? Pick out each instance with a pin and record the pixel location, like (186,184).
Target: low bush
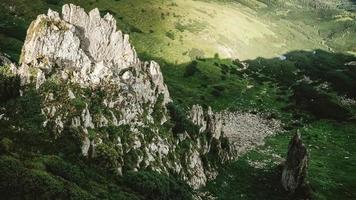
(18,182)
(170,35)
(153,185)
(5,145)
(196,53)
(9,87)
(106,157)
(57,166)
(191,69)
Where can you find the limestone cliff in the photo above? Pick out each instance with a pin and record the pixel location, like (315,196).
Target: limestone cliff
(92,83)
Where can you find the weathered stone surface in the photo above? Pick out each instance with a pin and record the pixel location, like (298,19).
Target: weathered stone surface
(243,130)
(102,83)
(90,79)
(246,131)
(228,135)
(85,49)
(295,169)
(5,60)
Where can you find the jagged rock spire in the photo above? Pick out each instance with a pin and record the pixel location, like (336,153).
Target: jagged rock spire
(88,48)
(89,78)
(295,169)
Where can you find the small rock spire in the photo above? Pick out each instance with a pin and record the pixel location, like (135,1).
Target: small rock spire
(295,168)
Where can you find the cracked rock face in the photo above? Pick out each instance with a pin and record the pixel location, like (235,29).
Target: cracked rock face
(89,78)
(85,49)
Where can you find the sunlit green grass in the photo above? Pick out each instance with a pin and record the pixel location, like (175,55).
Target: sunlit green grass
(172,29)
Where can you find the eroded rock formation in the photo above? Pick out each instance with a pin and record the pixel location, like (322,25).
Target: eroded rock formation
(91,82)
(295,168)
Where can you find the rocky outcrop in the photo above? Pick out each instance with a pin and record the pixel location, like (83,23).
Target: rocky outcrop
(242,131)
(86,50)
(295,168)
(207,121)
(6,62)
(91,82)
(226,135)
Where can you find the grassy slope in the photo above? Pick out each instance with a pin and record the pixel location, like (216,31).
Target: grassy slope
(331,167)
(280,88)
(36,164)
(218,83)
(171,29)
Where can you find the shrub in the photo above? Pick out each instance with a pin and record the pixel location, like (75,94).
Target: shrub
(216,56)
(191,69)
(9,87)
(342,82)
(17,182)
(59,167)
(224,69)
(218,90)
(158,111)
(39,184)
(78,103)
(180,27)
(153,185)
(54,2)
(106,157)
(69,143)
(170,35)
(5,145)
(131,159)
(117,131)
(10,176)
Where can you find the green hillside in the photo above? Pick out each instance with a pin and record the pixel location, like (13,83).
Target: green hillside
(283,59)
(181,30)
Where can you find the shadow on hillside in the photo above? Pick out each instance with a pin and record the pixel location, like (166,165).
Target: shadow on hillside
(317,83)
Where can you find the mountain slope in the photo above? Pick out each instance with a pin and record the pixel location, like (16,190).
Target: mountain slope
(87,86)
(88,109)
(181,30)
